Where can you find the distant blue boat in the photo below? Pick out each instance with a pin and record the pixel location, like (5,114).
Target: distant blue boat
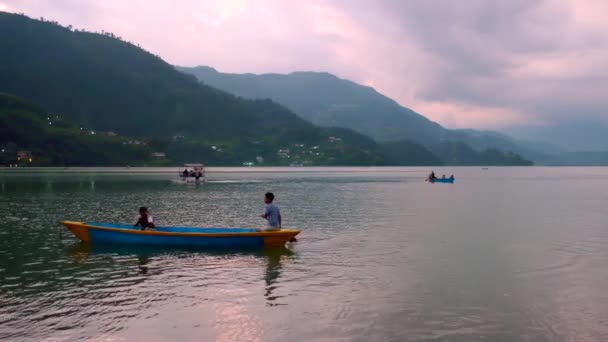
(442,180)
(178,236)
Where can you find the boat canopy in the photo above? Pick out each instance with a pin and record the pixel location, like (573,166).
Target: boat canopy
(195,167)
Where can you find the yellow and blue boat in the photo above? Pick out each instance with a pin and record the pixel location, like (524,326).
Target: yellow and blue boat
(178,236)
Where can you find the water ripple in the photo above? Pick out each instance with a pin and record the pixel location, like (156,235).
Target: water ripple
(513,255)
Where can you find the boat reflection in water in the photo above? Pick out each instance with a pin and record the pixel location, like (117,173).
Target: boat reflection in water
(143,256)
(273,258)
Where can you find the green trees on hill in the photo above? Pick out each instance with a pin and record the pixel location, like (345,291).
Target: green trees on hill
(47,139)
(30,136)
(407,153)
(106,84)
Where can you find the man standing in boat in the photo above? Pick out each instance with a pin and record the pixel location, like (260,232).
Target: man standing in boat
(272,214)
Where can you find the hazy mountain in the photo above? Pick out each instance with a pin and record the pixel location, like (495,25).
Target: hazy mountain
(106,84)
(327,100)
(587,158)
(570,136)
(405,152)
(459,153)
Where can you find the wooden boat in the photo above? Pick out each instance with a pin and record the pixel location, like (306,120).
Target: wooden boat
(190,180)
(441,180)
(196,174)
(178,236)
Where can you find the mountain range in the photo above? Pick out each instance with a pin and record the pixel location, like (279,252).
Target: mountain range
(101,83)
(570,136)
(327,100)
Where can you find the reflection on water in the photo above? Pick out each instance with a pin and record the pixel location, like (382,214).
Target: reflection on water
(506,254)
(273,272)
(272,257)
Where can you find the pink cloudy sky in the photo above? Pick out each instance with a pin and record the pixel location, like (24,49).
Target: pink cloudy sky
(473,63)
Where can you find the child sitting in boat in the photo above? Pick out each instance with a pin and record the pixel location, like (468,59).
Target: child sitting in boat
(145,220)
(272,214)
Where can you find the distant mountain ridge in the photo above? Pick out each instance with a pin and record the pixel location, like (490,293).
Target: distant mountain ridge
(573,136)
(327,100)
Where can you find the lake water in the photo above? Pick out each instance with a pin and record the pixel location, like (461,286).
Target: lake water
(504,254)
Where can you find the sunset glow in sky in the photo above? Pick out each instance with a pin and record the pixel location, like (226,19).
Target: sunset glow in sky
(473,63)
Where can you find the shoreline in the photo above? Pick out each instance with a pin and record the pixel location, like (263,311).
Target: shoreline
(253,169)
(217,169)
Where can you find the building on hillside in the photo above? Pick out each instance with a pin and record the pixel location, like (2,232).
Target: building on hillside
(216,148)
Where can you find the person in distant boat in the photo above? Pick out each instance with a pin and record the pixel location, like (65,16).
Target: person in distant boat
(432,176)
(145,220)
(185,173)
(272,214)
(198,175)
(451,177)
(442,176)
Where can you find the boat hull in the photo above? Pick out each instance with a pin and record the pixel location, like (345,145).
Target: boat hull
(177,236)
(191,180)
(441,180)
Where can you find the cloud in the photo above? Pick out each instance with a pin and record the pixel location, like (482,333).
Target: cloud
(518,61)
(473,63)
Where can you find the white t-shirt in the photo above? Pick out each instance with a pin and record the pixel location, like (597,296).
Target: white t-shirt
(272,215)
(150,219)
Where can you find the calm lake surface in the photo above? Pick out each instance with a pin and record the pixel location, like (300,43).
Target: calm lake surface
(504,254)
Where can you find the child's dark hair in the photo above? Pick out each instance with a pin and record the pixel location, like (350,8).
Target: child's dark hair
(142,209)
(270,196)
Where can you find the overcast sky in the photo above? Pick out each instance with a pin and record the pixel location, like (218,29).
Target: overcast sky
(463,63)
